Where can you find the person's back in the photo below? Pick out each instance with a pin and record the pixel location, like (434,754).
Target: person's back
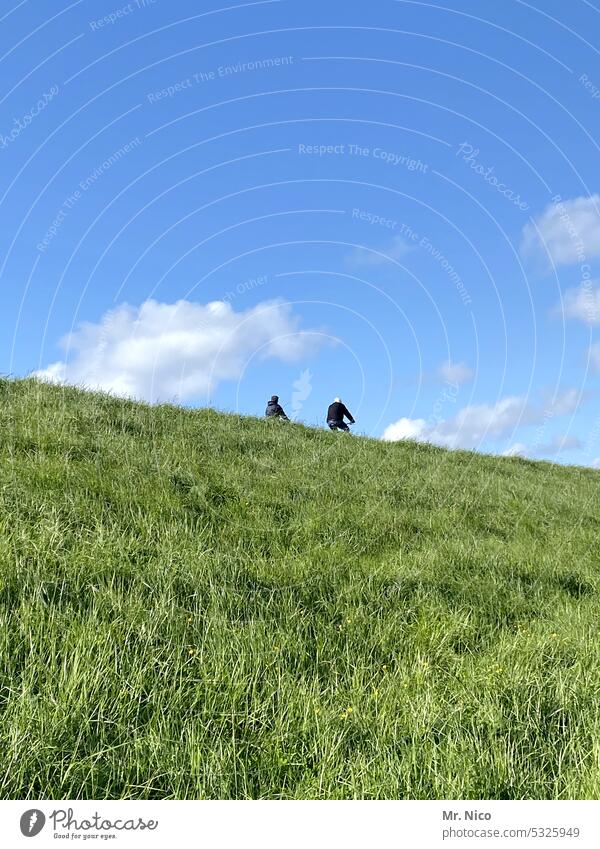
(336,413)
(274,409)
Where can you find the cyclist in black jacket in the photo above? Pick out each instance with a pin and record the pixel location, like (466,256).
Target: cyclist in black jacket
(335,415)
(275,410)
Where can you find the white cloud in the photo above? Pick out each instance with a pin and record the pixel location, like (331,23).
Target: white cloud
(518,449)
(595,464)
(455,372)
(595,356)
(563,404)
(566,232)
(581,302)
(560,443)
(161,351)
(416,429)
(396,249)
(471,425)
(556,445)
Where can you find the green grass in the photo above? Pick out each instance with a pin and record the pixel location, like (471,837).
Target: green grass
(199,605)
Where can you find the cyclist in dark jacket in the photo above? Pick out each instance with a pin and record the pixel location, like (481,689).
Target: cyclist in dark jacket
(275,410)
(335,415)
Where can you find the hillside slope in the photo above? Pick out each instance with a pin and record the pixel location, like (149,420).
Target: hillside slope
(199,605)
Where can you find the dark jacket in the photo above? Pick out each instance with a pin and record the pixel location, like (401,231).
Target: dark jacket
(337,411)
(275,409)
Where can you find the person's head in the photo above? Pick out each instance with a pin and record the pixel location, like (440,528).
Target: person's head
(337,400)
(275,398)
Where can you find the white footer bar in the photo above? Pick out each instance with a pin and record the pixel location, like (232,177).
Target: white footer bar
(290,824)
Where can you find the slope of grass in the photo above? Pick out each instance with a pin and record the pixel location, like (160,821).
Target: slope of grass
(198,605)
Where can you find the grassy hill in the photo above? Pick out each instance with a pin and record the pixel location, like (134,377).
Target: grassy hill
(199,605)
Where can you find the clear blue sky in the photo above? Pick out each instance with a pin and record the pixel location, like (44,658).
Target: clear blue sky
(395,202)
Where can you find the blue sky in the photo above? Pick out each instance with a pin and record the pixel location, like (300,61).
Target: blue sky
(395,202)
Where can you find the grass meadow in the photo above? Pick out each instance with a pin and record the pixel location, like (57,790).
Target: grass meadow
(199,605)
